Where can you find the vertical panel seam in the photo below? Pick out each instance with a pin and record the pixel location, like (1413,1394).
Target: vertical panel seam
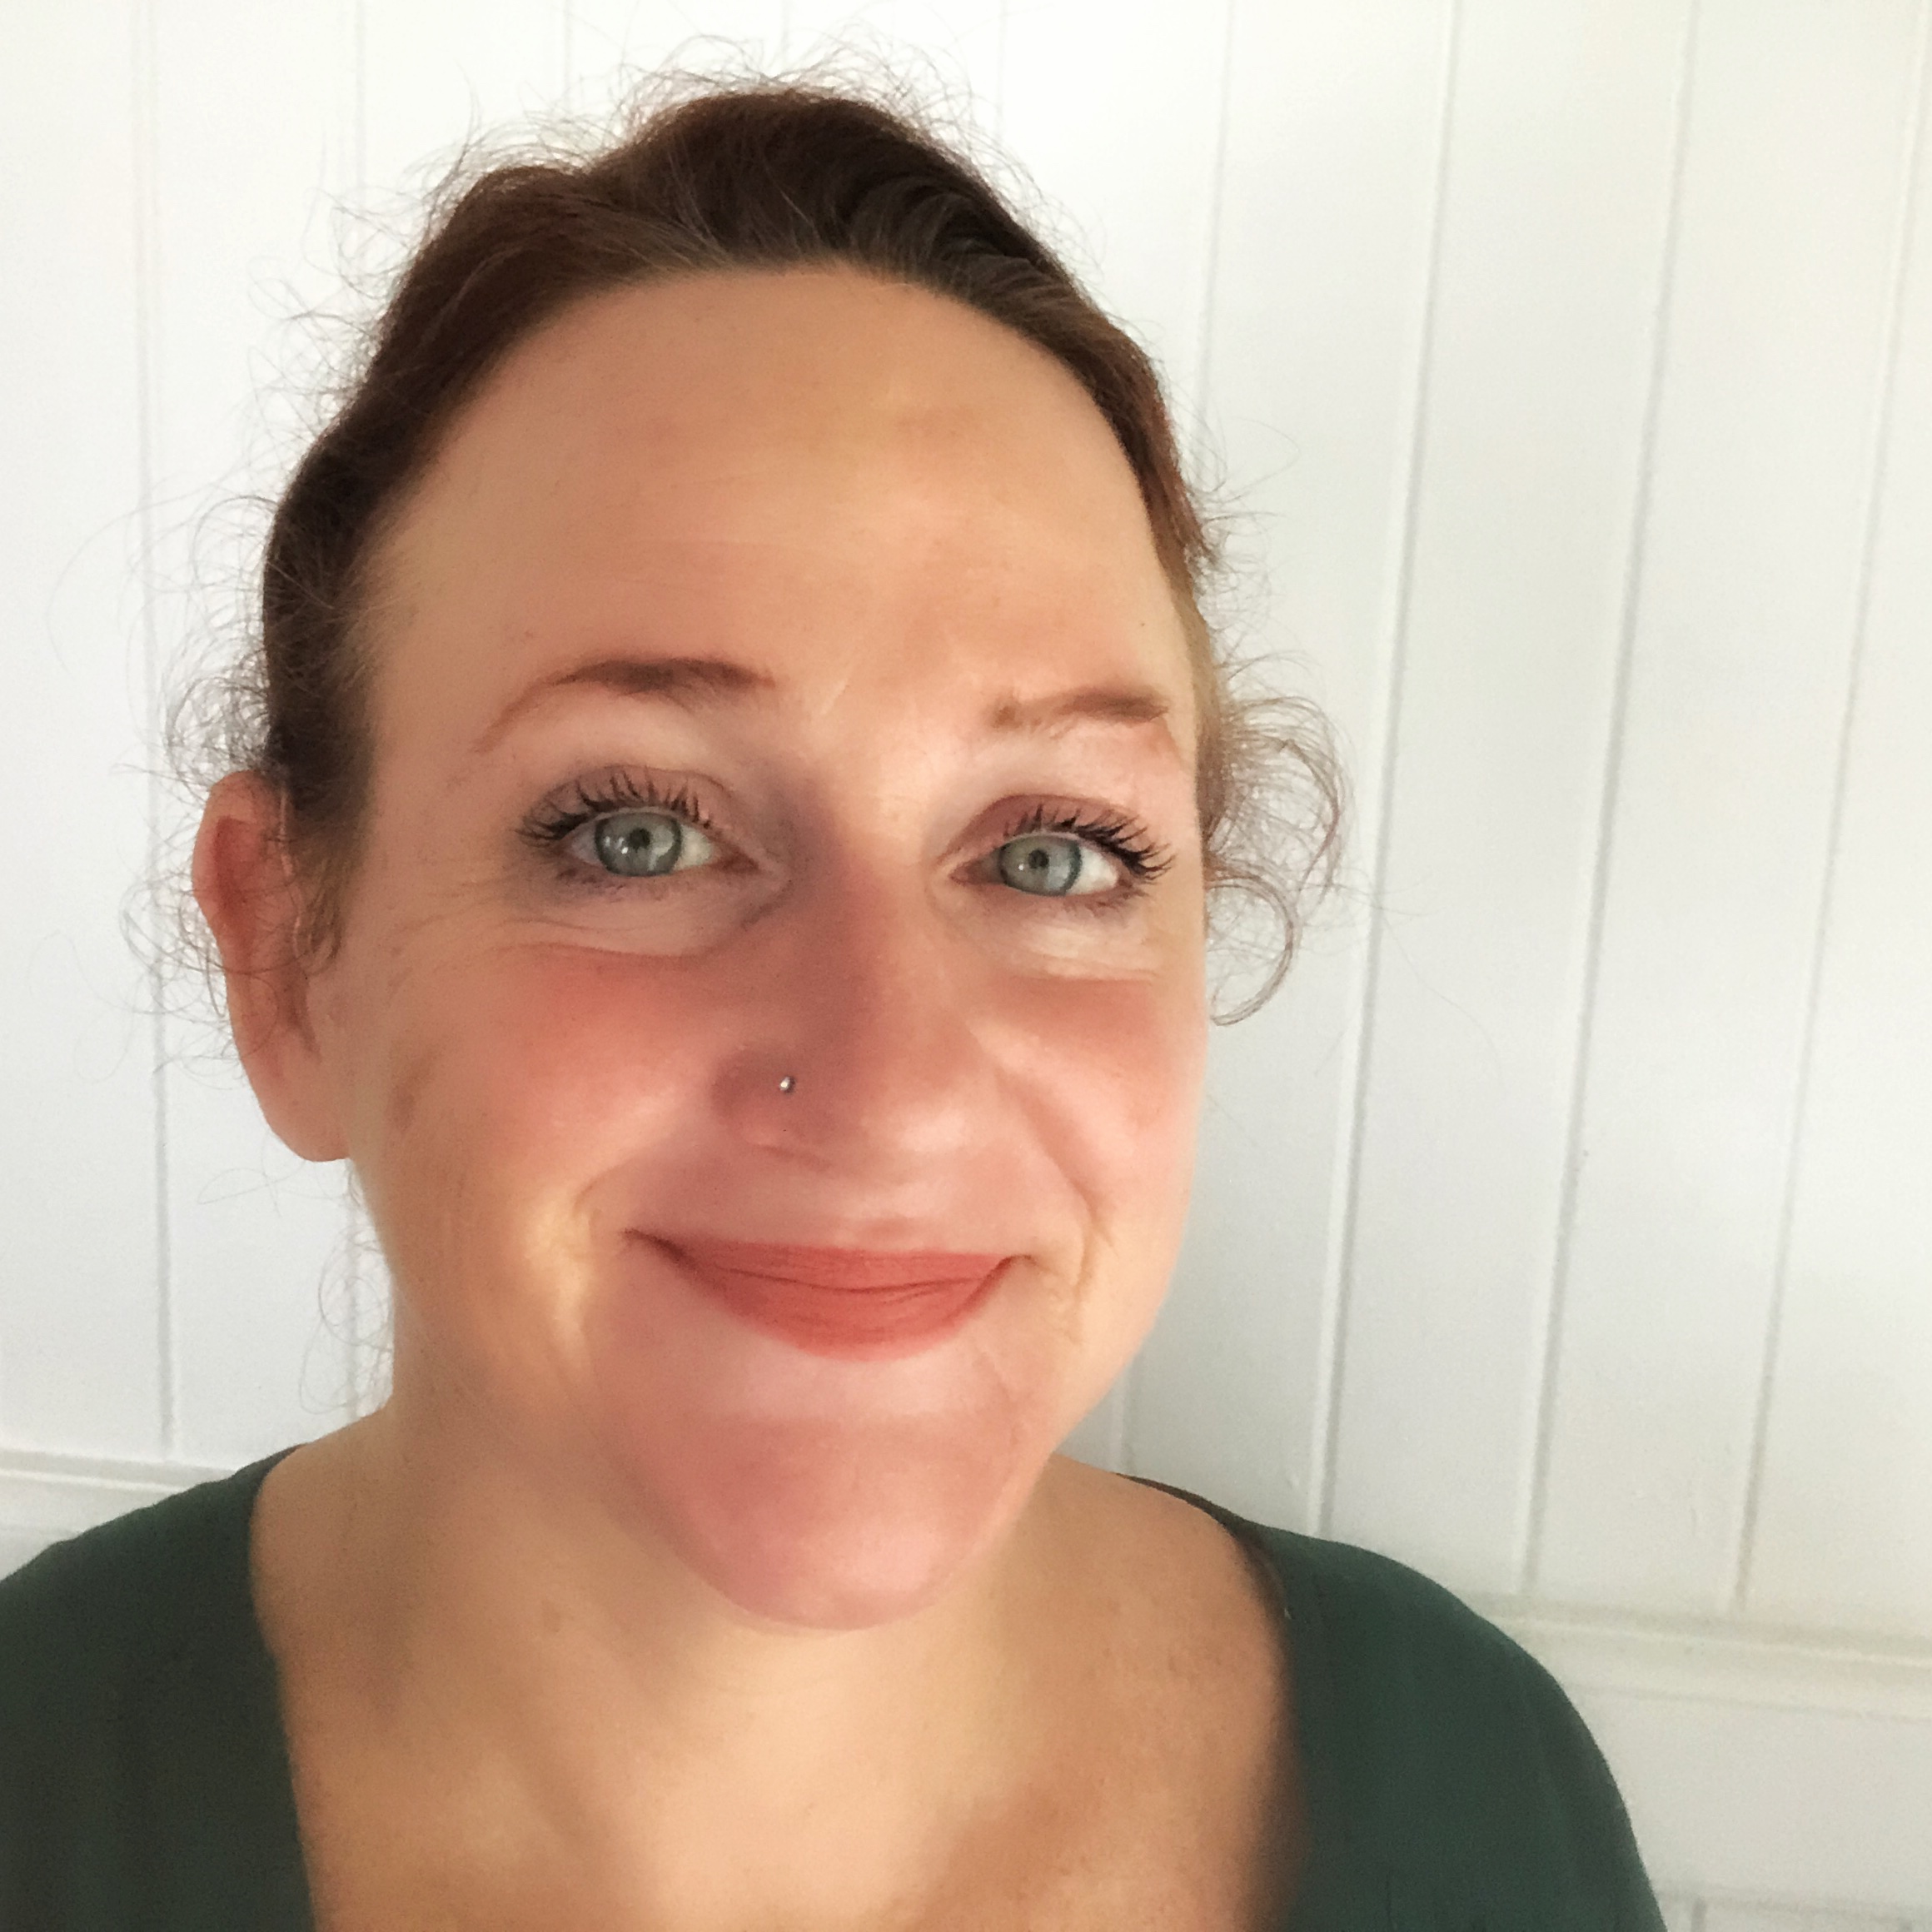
(1127,1419)
(1340,1285)
(1869,520)
(1608,794)
(145,112)
(1217,204)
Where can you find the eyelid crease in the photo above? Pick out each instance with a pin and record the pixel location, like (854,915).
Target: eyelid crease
(553,818)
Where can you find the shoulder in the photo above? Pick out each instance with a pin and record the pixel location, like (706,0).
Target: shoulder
(1451,1757)
(136,1714)
(90,1617)
(1394,1635)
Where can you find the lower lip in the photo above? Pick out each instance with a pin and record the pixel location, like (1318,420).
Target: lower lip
(843,1302)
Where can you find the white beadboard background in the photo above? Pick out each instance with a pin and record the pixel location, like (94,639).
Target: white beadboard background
(1566,1226)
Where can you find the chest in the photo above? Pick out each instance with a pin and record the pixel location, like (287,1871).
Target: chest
(1198,1830)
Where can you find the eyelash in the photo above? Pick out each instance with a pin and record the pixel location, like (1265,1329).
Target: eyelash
(1118,837)
(555,818)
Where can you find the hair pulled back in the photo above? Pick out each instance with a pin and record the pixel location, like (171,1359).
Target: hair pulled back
(745,175)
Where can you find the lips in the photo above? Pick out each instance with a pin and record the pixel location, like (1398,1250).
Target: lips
(839,1301)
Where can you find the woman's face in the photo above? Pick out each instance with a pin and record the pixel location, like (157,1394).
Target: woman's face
(782,833)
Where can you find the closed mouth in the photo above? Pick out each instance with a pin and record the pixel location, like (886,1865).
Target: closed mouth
(839,1301)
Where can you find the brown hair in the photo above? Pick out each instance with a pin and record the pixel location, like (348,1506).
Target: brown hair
(738,174)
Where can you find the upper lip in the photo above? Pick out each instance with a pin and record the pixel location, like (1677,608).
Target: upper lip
(848,1270)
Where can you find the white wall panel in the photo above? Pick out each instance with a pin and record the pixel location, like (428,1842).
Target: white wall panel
(1721,1916)
(1120,130)
(263,1311)
(1761,1767)
(435,73)
(1799,119)
(1311,357)
(79,1318)
(1773,1803)
(1512,609)
(957,46)
(251,158)
(1843,1529)
(611,45)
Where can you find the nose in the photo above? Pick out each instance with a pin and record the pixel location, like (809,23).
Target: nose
(863,1044)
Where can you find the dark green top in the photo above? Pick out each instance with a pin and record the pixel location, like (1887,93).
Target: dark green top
(144,1778)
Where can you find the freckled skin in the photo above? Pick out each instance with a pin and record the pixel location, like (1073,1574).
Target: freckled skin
(897,515)
(624,1610)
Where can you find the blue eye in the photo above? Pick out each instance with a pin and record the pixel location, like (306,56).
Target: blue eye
(1053,865)
(642,844)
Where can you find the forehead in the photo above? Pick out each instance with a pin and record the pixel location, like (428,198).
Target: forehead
(835,476)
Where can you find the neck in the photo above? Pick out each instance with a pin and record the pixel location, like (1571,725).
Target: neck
(557,1674)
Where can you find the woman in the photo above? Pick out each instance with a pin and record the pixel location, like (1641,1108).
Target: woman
(740,773)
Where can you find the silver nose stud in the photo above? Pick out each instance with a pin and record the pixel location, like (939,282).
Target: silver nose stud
(786,1084)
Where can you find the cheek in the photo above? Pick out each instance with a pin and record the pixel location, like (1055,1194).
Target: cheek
(521,1105)
(1109,1077)
(536,1069)
(1111,1073)
(499,1088)
(549,1063)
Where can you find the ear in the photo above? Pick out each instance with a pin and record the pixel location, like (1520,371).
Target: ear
(246,885)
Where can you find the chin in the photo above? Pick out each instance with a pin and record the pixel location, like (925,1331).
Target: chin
(826,1527)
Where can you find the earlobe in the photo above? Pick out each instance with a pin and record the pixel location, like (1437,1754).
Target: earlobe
(246,886)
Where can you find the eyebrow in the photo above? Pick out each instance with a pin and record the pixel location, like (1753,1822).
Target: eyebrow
(682,680)
(688,680)
(1094,704)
